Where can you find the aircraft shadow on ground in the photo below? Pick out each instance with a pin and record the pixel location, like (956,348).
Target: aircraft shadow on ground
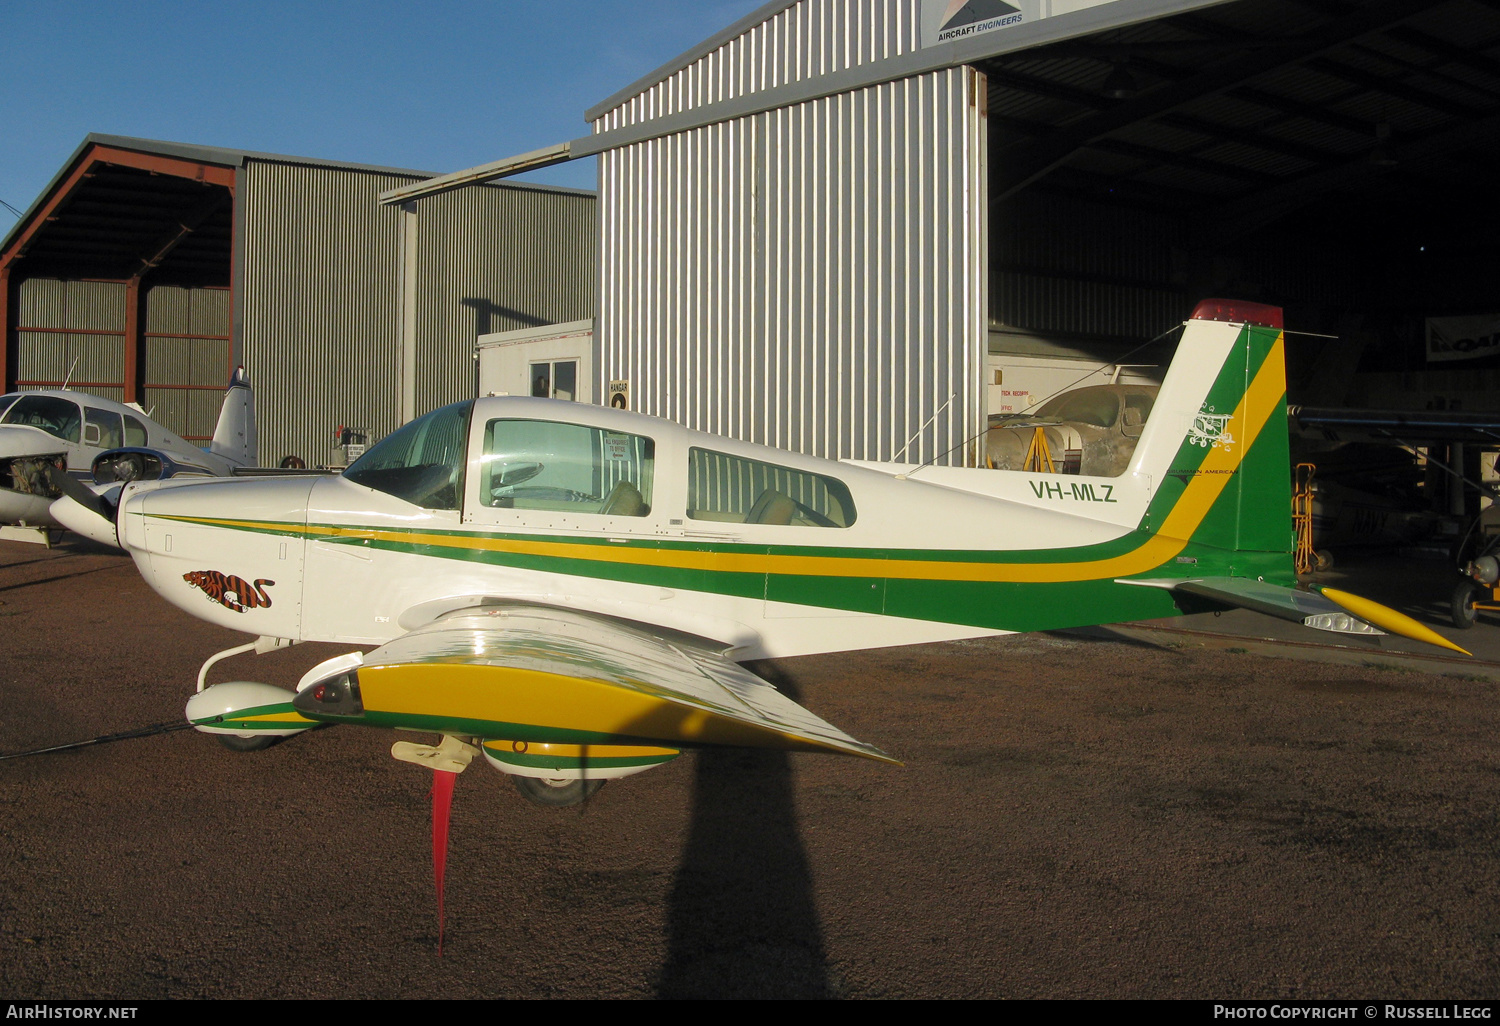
(741,919)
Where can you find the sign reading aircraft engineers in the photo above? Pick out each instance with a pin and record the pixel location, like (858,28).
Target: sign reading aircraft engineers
(945,21)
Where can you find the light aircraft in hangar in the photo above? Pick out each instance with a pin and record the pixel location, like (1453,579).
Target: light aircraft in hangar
(107,442)
(569,590)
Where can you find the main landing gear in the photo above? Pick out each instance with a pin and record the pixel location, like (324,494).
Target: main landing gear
(556,793)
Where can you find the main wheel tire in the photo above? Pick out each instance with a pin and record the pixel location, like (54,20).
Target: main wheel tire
(556,793)
(1464,612)
(258,743)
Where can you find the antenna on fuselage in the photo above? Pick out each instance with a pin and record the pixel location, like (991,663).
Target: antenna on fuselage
(913,438)
(71,369)
(982,433)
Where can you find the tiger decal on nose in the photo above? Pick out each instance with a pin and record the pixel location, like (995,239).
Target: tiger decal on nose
(231,592)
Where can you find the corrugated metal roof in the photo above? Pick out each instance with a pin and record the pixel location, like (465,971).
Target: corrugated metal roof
(226,157)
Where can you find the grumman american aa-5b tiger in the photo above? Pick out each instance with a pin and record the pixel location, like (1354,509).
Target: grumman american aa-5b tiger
(569,590)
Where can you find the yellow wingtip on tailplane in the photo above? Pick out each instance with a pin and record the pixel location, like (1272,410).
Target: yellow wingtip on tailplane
(1387,619)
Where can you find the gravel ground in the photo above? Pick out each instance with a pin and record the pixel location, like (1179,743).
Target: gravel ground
(1076,818)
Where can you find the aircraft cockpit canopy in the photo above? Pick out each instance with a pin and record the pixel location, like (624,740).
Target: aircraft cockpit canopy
(105,429)
(48,413)
(421,462)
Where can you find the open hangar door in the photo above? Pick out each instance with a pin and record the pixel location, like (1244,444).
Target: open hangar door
(117,282)
(1334,159)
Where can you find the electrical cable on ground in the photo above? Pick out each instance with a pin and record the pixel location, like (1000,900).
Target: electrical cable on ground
(151,731)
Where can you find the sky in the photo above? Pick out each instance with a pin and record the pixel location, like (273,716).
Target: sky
(433,85)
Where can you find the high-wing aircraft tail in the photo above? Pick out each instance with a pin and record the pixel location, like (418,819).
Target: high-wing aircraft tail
(234,436)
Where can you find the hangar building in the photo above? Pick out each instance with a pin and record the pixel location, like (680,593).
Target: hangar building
(147,270)
(819,227)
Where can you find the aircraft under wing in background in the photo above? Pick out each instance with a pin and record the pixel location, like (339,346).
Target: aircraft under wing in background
(88,437)
(1334,425)
(570,589)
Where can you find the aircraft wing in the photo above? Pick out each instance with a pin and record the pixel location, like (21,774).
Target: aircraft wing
(538,674)
(1325,609)
(1414,427)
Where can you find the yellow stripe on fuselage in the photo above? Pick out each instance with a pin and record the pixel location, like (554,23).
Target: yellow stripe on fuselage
(1219,464)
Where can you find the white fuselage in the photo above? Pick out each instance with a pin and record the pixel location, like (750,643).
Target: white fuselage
(330,559)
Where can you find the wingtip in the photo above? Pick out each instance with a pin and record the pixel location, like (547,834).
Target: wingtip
(1388,619)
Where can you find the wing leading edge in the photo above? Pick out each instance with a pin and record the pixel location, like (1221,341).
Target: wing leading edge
(551,676)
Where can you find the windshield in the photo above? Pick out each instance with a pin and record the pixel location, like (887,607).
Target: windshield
(54,416)
(1099,407)
(423,462)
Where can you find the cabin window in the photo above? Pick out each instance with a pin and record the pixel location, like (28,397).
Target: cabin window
(572,468)
(54,416)
(423,462)
(102,428)
(734,490)
(1096,406)
(135,431)
(5,401)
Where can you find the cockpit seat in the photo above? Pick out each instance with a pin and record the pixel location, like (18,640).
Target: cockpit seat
(772,507)
(624,500)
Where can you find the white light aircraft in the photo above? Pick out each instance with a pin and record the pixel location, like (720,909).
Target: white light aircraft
(49,432)
(569,590)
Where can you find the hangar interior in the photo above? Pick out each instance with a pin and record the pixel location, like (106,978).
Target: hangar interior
(1336,159)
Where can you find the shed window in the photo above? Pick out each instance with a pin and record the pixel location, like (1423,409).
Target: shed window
(732,489)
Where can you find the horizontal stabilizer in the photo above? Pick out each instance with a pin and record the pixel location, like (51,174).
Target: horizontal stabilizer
(1325,609)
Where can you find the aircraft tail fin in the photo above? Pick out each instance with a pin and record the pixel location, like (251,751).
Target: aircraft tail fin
(234,437)
(1222,512)
(1216,446)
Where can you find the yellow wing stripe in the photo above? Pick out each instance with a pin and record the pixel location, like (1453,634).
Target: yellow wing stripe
(1249,418)
(535,698)
(503,748)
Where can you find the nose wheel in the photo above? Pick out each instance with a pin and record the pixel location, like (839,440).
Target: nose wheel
(556,792)
(259,743)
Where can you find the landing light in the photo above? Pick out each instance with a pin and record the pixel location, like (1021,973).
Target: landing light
(1343,623)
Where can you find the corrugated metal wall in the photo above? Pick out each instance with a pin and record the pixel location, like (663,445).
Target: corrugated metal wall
(807,40)
(810,277)
(318,313)
(320,307)
(188,358)
(496,259)
(77,325)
